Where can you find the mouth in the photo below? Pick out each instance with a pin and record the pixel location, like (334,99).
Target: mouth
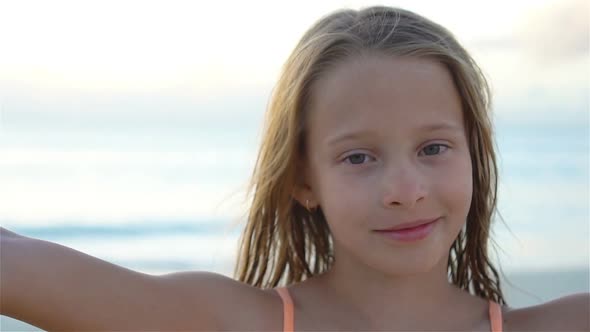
(409,225)
(416,232)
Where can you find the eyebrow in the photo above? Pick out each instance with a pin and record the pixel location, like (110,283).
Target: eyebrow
(359,134)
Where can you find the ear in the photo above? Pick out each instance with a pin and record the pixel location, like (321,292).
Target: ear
(305,197)
(303,192)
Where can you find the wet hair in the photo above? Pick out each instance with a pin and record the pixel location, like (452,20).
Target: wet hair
(283,242)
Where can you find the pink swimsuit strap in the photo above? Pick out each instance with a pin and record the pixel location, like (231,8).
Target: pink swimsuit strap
(288,322)
(495,312)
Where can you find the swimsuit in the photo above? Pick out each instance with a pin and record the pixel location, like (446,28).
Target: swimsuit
(288,323)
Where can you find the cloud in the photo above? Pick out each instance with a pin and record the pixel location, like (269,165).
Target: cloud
(557,32)
(540,65)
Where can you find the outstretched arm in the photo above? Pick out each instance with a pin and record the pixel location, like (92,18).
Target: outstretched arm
(57,288)
(568,313)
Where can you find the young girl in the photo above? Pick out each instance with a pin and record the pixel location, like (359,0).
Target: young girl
(372,201)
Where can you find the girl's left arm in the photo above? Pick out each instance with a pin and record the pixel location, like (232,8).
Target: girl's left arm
(568,313)
(571,313)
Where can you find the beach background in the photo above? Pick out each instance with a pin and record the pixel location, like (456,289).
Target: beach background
(133,140)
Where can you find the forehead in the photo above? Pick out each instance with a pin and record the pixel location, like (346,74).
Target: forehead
(383,93)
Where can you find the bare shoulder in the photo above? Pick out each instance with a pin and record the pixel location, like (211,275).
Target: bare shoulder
(568,313)
(228,304)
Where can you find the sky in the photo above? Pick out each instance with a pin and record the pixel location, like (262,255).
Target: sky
(114,111)
(196,50)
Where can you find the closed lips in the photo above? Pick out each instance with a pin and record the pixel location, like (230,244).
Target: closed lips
(409,225)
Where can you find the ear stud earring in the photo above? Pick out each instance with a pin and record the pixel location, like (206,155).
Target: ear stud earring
(307,206)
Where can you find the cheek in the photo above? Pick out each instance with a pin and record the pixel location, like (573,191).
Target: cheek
(457,187)
(342,197)
(335,191)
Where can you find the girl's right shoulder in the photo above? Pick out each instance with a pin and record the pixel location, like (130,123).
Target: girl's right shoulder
(226,304)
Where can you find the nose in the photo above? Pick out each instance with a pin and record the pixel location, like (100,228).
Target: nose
(404,187)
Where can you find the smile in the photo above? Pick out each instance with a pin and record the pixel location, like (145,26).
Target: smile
(410,234)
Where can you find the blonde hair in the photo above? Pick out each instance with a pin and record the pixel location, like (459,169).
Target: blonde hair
(283,242)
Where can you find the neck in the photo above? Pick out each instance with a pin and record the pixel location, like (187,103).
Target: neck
(424,300)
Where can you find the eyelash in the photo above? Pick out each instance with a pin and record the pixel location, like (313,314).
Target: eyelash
(446,147)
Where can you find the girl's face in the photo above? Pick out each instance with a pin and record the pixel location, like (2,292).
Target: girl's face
(386,145)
